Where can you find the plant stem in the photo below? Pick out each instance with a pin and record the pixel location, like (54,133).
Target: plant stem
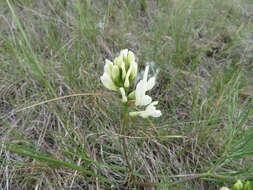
(124,139)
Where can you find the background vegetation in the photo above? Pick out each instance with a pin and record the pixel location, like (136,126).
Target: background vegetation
(203,51)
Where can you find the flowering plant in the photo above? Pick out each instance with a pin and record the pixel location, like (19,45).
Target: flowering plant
(120,76)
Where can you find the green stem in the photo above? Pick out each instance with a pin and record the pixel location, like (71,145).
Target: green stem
(124,139)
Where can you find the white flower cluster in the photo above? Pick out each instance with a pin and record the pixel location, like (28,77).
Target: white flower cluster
(119,76)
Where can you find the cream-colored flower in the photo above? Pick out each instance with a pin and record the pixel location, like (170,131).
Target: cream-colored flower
(107,78)
(141,99)
(224,188)
(107,82)
(149,111)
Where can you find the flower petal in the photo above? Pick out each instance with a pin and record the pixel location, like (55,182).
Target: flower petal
(123,94)
(115,73)
(108,66)
(130,57)
(107,82)
(123,68)
(140,92)
(127,83)
(124,53)
(145,76)
(134,71)
(118,61)
(224,188)
(156,113)
(146,100)
(150,83)
(149,111)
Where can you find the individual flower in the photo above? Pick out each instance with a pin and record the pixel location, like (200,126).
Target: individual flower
(141,99)
(149,111)
(224,188)
(108,78)
(238,185)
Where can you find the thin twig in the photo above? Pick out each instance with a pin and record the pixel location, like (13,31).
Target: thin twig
(150,137)
(52,100)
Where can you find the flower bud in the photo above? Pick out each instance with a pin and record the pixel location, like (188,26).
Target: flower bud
(124,53)
(115,73)
(123,94)
(118,61)
(247,186)
(127,82)
(108,66)
(130,57)
(123,69)
(134,71)
(238,185)
(107,82)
